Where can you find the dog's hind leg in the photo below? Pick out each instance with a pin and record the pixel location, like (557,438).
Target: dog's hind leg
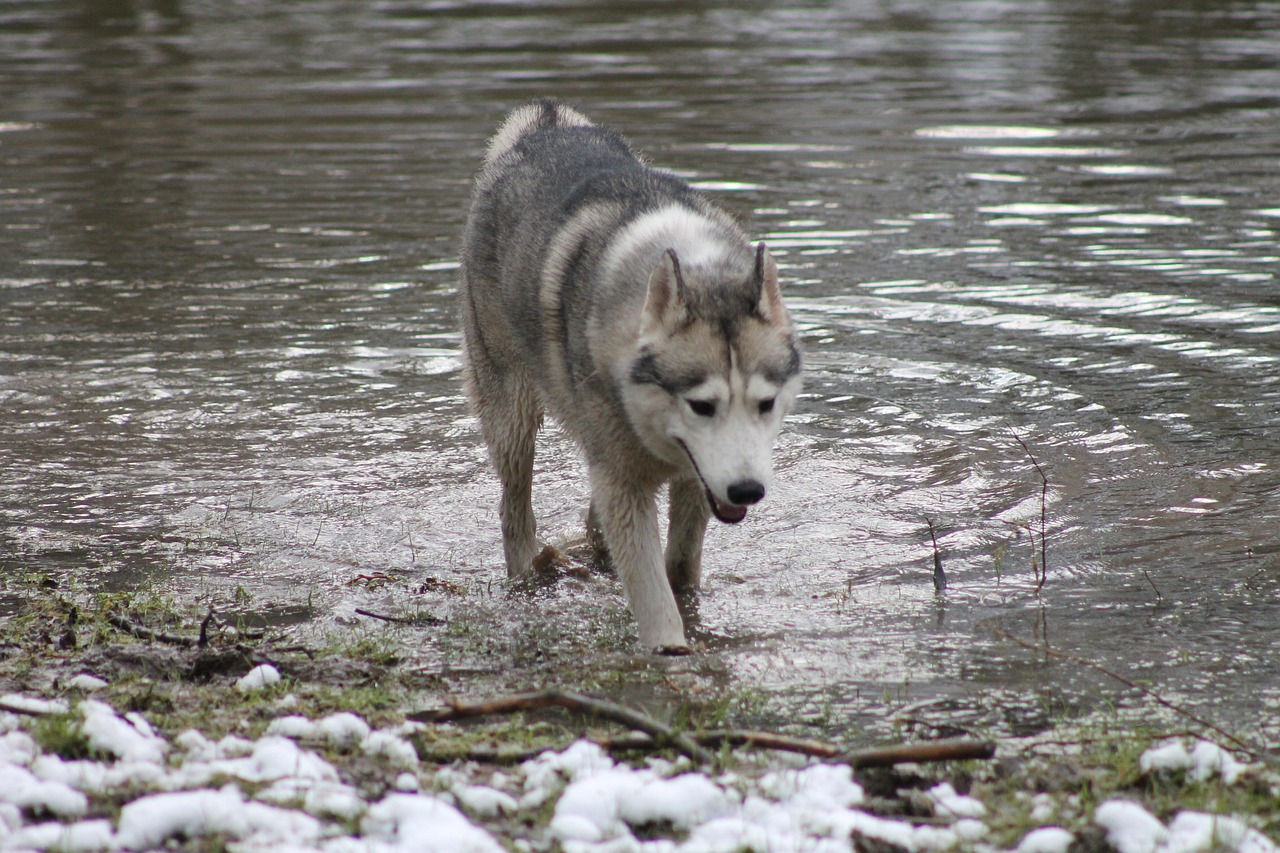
(686,526)
(510,413)
(629,515)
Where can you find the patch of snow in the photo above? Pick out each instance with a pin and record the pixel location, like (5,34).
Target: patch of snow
(317,797)
(817,787)
(21,788)
(396,750)
(1201,762)
(947,803)
(1190,832)
(86,682)
(292,726)
(342,730)
(95,777)
(484,802)
(83,837)
(122,738)
(604,805)
(1130,828)
(31,705)
(148,822)
(17,747)
(546,773)
(272,758)
(262,675)
(425,824)
(1046,839)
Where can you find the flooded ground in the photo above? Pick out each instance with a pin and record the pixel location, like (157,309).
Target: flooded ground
(228,356)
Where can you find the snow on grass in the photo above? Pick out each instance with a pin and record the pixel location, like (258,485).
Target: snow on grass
(262,675)
(1131,828)
(32,705)
(19,787)
(1046,839)
(129,737)
(421,823)
(280,793)
(1202,761)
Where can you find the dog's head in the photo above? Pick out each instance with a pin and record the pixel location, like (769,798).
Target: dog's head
(716,369)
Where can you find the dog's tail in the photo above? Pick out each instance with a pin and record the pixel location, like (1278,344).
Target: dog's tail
(547,112)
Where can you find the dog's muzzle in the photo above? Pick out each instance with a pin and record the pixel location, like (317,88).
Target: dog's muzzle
(742,494)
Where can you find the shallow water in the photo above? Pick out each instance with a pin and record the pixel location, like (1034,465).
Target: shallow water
(228,356)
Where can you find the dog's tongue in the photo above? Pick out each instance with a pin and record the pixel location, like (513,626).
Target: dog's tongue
(729,513)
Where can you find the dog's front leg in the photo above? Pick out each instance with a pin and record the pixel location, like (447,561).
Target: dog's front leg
(628,513)
(686,527)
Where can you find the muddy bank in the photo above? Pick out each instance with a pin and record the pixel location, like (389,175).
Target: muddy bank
(120,708)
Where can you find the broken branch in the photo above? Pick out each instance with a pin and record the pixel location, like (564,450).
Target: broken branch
(142,632)
(660,732)
(656,734)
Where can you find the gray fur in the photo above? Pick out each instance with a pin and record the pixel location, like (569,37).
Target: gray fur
(620,300)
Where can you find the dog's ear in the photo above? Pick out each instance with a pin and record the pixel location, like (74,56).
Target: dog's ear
(770,294)
(664,306)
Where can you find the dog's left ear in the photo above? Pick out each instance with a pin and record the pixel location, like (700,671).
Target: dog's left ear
(770,294)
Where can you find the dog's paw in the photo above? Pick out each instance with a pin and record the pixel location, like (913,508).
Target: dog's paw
(674,650)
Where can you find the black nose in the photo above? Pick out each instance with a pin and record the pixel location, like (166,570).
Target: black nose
(746,492)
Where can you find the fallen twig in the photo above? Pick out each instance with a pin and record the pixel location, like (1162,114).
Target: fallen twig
(762,740)
(920,753)
(142,632)
(482,754)
(924,752)
(401,620)
(621,714)
(1130,683)
(656,735)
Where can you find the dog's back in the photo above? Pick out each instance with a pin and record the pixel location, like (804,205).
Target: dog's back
(550,202)
(620,299)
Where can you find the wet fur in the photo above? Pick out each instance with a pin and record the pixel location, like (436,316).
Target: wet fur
(612,295)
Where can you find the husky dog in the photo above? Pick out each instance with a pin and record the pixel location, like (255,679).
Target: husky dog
(620,300)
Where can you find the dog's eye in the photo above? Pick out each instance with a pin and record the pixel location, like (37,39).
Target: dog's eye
(703,408)
(766,406)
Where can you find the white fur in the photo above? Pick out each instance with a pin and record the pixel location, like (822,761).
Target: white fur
(697,240)
(521,121)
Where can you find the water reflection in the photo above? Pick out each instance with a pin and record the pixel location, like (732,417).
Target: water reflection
(228,357)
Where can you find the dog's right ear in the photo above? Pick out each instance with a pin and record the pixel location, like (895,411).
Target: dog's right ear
(664,307)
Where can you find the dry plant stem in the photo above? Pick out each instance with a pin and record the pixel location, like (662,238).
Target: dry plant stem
(1043,574)
(204,629)
(939,576)
(1130,683)
(620,714)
